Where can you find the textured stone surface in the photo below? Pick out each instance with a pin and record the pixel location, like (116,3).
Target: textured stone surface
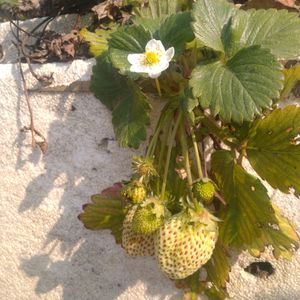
(45,253)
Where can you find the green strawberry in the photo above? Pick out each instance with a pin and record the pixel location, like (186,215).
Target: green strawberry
(134,191)
(143,166)
(185,243)
(149,216)
(204,190)
(133,243)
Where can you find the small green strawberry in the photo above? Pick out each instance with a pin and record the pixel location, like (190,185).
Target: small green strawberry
(204,190)
(134,191)
(185,242)
(143,166)
(149,216)
(133,243)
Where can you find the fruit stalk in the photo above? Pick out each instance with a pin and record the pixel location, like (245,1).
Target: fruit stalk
(170,146)
(197,153)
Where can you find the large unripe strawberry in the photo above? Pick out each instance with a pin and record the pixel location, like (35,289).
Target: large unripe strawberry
(149,216)
(136,244)
(185,243)
(134,191)
(204,190)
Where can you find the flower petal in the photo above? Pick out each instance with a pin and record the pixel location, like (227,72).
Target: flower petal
(155,46)
(170,53)
(163,65)
(139,69)
(136,59)
(154,75)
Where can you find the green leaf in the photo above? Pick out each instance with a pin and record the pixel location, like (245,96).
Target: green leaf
(291,77)
(283,239)
(212,19)
(218,267)
(273,148)
(98,41)
(277,30)
(214,293)
(248,204)
(240,88)
(131,117)
(157,9)
(176,31)
(173,31)
(105,212)
(150,24)
(9,2)
(187,101)
(125,41)
(122,96)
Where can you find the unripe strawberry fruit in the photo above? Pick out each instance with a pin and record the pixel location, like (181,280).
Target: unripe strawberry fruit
(185,243)
(204,191)
(149,216)
(134,191)
(136,244)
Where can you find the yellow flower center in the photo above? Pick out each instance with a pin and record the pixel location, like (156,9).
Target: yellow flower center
(151,58)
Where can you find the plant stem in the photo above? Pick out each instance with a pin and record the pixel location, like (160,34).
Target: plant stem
(197,153)
(165,113)
(185,152)
(167,133)
(170,147)
(158,87)
(210,123)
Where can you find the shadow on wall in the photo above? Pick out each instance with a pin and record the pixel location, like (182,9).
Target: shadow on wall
(276,295)
(80,162)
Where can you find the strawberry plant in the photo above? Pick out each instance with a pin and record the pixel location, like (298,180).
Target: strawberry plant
(220,73)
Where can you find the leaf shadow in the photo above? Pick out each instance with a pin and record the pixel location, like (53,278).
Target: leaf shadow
(84,264)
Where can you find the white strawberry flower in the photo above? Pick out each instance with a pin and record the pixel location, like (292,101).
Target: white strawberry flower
(153,61)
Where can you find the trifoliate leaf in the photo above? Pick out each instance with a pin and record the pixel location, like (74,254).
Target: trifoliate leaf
(283,238)
(248,204)
(212,21)
(277,30)
(98,40)
(273,148)
(241,87)
(291,77)
(122,96)
(126,41)
(105,212)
